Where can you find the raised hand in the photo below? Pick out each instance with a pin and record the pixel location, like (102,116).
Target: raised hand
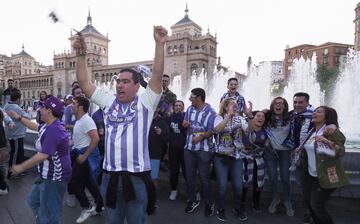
(160,34)
(79,45)
(248,109)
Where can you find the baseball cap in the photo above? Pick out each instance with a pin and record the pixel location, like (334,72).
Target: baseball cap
(56,106)
(69,97)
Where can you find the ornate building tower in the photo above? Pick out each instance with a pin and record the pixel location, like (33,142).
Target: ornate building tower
(65,63)
(188,51)
(357,27)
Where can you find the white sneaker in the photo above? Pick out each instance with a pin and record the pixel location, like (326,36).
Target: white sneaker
(4,192)
(273,205)
(289,208)
(85,214)
(71,200)
(173,195)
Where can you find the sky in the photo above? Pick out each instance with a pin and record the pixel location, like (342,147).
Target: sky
(258,28)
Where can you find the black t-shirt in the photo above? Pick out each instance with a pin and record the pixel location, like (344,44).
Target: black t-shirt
(157,142)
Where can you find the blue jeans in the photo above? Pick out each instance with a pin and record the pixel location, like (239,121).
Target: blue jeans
(223,168)
(198,160)
(46,200)
(272,163)
(133,211)
(155,166)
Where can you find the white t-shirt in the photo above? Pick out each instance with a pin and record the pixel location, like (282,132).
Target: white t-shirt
(310,151)
(81,129)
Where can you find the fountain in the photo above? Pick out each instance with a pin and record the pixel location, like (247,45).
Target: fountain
(302,78)
(347,98)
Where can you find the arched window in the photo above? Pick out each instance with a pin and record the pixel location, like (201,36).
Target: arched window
(169,50)
(175,49)
(181,48)
(203,47)
(193,68)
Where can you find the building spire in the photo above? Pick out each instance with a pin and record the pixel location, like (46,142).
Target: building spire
(22,47)
(89,20)
(186,10)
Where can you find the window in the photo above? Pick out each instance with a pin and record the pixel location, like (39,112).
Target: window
(325,60)
(181,48)
(326,51)
(193,68)
(175,49)
(337,60)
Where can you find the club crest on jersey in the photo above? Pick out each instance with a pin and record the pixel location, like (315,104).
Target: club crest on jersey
(133,106)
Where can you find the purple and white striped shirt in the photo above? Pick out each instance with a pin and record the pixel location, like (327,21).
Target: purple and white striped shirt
(54,141)
(200,122)
(127,130)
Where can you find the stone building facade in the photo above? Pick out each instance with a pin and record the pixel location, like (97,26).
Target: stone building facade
(188,52)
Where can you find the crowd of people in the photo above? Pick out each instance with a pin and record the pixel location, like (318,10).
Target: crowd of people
(116,153)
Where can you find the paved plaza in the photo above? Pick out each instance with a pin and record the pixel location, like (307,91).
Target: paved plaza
(14,210)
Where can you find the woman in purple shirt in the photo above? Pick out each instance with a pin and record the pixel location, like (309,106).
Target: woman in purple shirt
(255,142)
(53,160)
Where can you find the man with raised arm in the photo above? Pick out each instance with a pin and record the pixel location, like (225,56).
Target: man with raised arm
(126,185)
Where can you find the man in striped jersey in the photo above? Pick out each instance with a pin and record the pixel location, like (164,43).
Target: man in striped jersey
(126,185)
(199,119)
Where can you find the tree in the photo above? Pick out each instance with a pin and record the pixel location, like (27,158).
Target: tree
(326,77)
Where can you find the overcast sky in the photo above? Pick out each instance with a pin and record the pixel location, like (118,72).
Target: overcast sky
(257,28)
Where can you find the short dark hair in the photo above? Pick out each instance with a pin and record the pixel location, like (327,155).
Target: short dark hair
(15,95)
(84,102)
(302,94)
(199,92)
(232,79)
(167,76)
(73,90)
(74,83)
(179,101)
(331,116)
(135,74)
(10,80)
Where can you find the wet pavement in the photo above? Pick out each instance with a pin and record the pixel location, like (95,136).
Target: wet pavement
(14,209)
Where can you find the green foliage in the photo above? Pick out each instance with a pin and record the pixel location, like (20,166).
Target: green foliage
(326,77)
(277,88)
